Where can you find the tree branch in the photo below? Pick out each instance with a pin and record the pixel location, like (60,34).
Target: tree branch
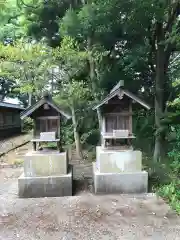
(168,52)
(13,17)
(175,12)
(21,3)
(152,39)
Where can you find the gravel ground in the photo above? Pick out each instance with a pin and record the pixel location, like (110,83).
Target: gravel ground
(83,217)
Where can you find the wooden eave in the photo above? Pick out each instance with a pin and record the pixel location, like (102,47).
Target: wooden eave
(120,92)
(33,108)
(11,105)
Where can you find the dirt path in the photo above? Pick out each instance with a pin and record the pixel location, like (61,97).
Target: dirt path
(84,216)
(82,175)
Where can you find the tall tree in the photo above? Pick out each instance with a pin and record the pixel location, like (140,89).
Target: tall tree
(13,22)
(77,94)
(43,16)
(148,28)
(27,65)
(72,94)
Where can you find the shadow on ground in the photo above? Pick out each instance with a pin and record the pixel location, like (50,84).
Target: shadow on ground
(82,185)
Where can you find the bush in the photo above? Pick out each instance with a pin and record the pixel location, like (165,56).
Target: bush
(171,193)
(18,162)
(27,124)
(90,138)
(90,154)
(67,134)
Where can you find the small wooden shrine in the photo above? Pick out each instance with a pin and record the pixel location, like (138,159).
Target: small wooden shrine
(47,117)
(116,117)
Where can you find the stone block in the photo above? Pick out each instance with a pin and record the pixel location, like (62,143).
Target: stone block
(125,182)
(49,186)
(45,164)
(113,161)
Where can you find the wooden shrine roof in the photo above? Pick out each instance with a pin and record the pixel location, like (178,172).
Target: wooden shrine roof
(11,105)
(41,102)
(120,91)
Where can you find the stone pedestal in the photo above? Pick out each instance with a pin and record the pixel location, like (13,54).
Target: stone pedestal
(45,186)
(113,161)
(46,174)
(45,164)
(119,172)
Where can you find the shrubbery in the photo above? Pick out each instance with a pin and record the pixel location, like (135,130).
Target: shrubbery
(27,124)
(171,191)
(164,177)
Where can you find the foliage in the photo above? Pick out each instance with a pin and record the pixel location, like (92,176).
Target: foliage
(70,59)
(171,193)
(42,19)
(7,87)
(67,133)
(75,92)
(90,138)
(27,124)
(18,162)
(174,154)
(165,178)
(13,22)
(25,65)
(90,154)
(95,44)
(143,128)
(71,62)
(50,145)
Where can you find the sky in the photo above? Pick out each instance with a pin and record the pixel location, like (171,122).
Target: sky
(12,100)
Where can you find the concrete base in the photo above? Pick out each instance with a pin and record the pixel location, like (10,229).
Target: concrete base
(45,186)
(113,161)
(125,182)
(45,163)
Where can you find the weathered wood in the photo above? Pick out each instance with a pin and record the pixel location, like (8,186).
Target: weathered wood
(44,107)
(120,93)
(10,122)
(34,146)
(114,122)
(117,113)
(44,140)
(47,124)
(34,129)
(130,117)
(111,136)
(117,116)
(125,113)
(47,116)
(46,137)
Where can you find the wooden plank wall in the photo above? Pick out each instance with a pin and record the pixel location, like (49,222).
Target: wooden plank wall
(118,114)
(117,121)
(47,124)
(9,118)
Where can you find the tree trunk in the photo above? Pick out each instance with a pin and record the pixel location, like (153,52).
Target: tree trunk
(160,81)
(29,99)
(99,118)
(92,75)
(76,134)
